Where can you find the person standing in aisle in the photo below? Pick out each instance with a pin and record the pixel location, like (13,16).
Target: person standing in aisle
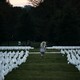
(42,48)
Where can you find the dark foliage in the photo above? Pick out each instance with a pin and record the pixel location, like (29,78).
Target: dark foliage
(56,21)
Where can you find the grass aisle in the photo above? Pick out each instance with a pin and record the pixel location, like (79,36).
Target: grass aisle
(51,67)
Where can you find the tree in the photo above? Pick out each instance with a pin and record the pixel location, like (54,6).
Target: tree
(36,3)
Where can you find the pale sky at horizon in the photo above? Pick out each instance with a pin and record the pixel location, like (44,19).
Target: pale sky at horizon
(20,3)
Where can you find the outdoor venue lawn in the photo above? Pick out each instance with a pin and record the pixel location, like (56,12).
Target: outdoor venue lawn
(50,67)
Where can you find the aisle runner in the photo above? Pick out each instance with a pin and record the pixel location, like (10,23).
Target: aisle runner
(73,54)
(11,58)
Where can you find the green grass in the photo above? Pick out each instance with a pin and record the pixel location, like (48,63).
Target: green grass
(51,67)
(47,50)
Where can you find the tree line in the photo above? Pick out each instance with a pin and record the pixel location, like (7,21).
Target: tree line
(55,21)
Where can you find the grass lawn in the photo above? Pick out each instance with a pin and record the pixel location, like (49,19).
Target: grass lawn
(51,67)
(47,50)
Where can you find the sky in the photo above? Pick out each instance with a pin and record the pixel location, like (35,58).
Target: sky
(20,3)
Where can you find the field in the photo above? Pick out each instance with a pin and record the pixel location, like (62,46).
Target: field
(50,67)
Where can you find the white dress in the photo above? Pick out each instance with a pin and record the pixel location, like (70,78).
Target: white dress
(43,47)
